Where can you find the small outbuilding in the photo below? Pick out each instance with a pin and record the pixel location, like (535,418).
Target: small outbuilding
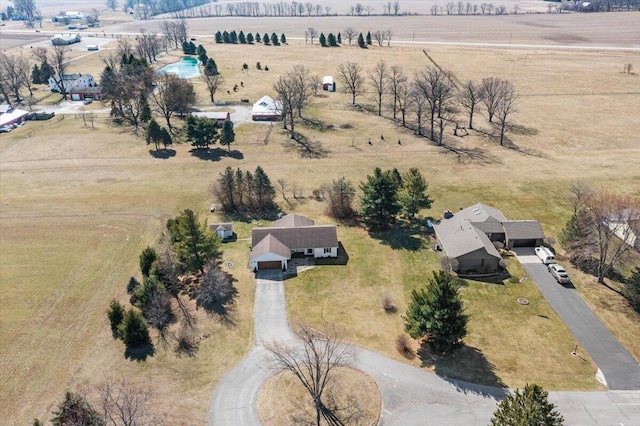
(65,39)
(328,83)
(224,231)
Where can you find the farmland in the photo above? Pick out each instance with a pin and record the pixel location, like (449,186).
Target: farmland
(79,205)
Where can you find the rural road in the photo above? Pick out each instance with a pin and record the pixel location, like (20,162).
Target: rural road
(410,396)
(620,369)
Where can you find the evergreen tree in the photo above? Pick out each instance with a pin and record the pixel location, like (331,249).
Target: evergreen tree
(323,40)
(225,37)
(283,39)
(577,237)
(193,243)
(340,199)
(211,68)
(35,75)
(145,109)
(413,193)
(75,410)
(219,37)
(263,190)
(233,37)
(147,257)
(437,313)
(225,190)
(369,38)
(192,48)
(203,58)
(274,39)
(331,40)
(46,71)
(527,408)
(265,39)
(153,134)
(228,135)
(361,42)
(242,38)
(165,136)
(379,201)
(339,39)
(200,50)
(201,131)
(185,48)
(115,315)
(133,330)
(258,38)
(250,38)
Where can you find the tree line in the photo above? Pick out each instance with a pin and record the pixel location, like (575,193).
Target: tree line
(239,192)
(248,38)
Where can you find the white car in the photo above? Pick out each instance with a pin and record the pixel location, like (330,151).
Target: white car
(559,273)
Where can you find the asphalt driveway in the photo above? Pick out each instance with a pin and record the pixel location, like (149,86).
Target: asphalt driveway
(620,369)
(410,396)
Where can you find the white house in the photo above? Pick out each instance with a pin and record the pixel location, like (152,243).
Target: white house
(71,82)
(266,109)
(272,247)
(224,231)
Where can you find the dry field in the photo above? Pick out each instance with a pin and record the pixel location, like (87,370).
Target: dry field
(79,205)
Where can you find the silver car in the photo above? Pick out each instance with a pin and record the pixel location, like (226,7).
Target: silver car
(559,273)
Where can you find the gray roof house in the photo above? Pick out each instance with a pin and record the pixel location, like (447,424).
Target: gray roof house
(468,236)
(272,247)
(224,231)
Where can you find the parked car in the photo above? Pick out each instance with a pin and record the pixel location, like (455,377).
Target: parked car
(559,273)
(545,255)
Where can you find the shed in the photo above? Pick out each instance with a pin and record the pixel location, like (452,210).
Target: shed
(328,83)
(224,231)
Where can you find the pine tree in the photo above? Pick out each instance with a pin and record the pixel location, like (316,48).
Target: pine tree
(331,40)
(133,330)
(323,40)
(242,38)
(201,131)
(152,135)
(263,190)
(145,109)
(75,410)
(265,39)
(233,37)
(200,50)
(258,38)
(527,407)
(577,237)
(369,38)
(228,135)
(219,37)
(379,202)
(283,39)
(274,39)
(115,315)
(211,68)
(193,243)
(437,313)
(413,193)
(361,42)
(250,38)
(147,257)
(225,37)
(339,39)
(35,75)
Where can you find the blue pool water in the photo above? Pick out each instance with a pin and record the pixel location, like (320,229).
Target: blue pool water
(186,68)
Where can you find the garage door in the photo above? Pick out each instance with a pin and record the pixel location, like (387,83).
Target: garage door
(524,243)
(276,264)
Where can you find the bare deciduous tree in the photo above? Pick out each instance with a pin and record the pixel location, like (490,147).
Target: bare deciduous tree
(628,68)
(311,34)
(469,97)
(506,107)
(312,361)
(379,80)
(491,88)
(378,36)
(125,403)
(350,75)
(580,192)
(395,79)
(213,83)
(14,73)
(387,36)
(350,33)
(57,58)
(436,87)
(173,94)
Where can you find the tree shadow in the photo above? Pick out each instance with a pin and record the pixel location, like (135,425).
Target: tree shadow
(225,312)
(472,154)
(215,154)
(317,124)
(139,353)
(163,153)
(306,148)
(405,235)
(518,129)
(467,369)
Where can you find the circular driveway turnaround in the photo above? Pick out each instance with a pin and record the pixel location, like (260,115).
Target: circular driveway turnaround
(410,396)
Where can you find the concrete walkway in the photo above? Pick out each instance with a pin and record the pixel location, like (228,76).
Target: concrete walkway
(621,371)
(410,396)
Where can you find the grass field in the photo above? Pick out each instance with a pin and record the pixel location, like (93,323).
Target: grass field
(78,206)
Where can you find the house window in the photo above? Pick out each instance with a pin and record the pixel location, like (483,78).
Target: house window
(327,249)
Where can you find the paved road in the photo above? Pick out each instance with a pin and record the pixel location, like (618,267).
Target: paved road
(410,396)
(620,369)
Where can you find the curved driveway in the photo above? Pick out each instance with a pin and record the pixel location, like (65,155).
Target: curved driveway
(410,396)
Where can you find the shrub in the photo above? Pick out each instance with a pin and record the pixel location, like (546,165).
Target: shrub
(388,305)
(404,346)
(147,257)
(132,285)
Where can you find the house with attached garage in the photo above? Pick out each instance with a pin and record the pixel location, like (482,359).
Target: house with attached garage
(293,235)
(470,237)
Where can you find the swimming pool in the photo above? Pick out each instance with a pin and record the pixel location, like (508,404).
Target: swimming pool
(186,68)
